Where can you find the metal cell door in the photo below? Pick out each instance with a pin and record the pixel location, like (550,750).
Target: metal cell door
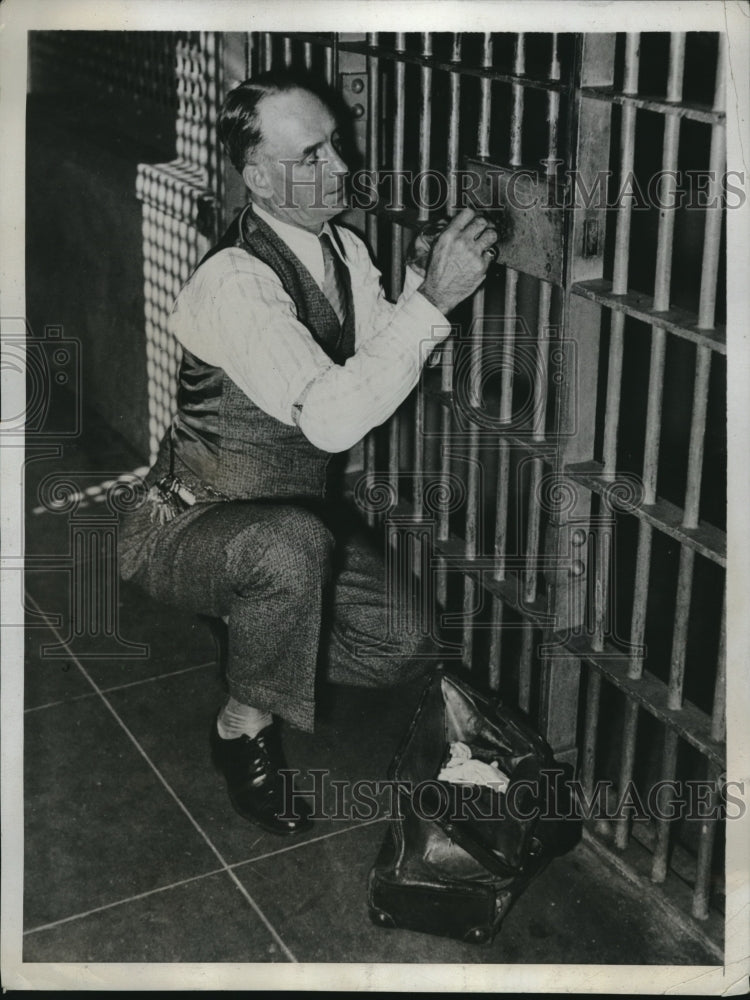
(556,481)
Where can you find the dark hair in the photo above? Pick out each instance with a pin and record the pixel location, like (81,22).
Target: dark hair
(238,123)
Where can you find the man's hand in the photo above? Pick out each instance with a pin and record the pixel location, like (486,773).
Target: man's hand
(458,262)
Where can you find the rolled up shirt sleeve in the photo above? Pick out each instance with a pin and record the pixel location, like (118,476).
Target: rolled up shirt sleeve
(235,314)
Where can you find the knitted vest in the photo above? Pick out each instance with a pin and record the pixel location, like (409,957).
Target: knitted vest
(220,438)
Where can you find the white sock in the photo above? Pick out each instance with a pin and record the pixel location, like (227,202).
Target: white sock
(237,719)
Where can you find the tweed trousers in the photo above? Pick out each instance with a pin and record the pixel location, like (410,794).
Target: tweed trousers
(303,589)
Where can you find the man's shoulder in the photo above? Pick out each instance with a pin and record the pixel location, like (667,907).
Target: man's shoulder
(227,259)
(227,265)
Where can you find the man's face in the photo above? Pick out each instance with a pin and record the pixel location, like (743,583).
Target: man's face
(297,173)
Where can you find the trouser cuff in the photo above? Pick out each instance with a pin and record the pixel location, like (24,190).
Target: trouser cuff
(290,707)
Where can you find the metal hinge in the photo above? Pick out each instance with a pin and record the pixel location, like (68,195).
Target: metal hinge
(354,91)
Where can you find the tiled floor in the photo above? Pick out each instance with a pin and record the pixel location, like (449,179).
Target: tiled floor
(133,853)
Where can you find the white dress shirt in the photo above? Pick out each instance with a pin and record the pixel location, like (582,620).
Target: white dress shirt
(234,313)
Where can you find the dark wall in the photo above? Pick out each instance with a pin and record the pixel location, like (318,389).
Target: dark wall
(84,265)
(84,256)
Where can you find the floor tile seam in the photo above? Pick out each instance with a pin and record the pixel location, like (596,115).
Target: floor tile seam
(287,848)
(195,878)
(121,687)
(62,701)
(178,801)
(121,902)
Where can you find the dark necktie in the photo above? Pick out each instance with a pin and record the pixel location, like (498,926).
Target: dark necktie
(334,278)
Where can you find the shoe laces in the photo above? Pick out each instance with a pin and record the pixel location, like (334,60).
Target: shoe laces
(261,770)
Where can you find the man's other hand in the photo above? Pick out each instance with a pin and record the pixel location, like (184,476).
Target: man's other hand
(458,262)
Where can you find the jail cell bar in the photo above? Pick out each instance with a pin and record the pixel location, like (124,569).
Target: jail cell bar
(539,418)
(664,701)
(446,355)
(569,524)
(474,498)
(372,164)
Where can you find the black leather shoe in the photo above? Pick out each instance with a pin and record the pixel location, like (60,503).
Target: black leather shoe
(251,768)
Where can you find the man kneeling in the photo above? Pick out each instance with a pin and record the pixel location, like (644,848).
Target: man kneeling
(291,354)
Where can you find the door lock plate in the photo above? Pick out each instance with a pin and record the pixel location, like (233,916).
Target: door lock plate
(528,214)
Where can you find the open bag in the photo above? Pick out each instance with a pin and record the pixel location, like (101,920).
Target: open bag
(456,856)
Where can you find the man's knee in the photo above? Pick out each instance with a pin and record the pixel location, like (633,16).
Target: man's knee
(414,653)
(289,545)
(396,658)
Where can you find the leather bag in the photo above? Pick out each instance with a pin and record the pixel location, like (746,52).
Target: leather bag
(454,868)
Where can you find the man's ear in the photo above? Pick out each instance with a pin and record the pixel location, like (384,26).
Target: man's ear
(255,177)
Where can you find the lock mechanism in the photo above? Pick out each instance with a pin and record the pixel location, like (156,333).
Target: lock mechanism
(526,208)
